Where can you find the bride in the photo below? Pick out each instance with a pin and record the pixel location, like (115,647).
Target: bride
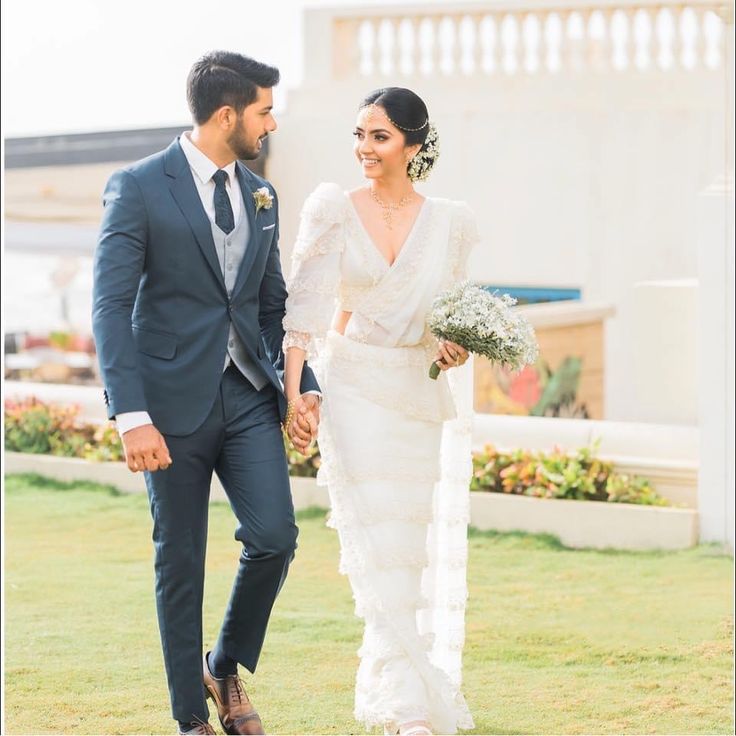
(395,444)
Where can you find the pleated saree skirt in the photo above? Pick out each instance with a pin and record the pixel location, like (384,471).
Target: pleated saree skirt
(396,461)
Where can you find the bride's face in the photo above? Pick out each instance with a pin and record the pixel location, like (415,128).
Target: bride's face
(379,145)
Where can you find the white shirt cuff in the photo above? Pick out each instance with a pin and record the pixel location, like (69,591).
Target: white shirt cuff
(315,393)
(131,420)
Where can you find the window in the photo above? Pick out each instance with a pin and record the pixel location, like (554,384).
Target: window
(535,294)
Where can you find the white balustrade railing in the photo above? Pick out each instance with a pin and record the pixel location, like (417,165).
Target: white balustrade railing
(507,38)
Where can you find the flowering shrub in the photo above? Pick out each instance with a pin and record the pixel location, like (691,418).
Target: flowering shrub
(40,428)
(105,445)
(558,474)
(37,427)
(300,465)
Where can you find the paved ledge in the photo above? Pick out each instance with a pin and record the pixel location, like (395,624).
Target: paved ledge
(90,399)
(305,491)
(563,313)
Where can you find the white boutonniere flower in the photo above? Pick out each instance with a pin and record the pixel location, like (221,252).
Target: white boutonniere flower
(263,199)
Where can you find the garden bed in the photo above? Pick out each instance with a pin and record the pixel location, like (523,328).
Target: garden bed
(304,490)
(596,524)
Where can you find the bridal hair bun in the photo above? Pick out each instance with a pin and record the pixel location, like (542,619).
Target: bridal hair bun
(420,166)
(406,111)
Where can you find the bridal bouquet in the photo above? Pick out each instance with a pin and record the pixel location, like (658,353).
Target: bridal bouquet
(483,323)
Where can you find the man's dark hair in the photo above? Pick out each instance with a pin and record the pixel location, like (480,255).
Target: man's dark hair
(225,78)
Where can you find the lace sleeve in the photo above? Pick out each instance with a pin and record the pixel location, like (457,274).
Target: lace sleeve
(315,271)
(465,238)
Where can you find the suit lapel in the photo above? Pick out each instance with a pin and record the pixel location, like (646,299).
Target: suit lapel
(254,241)
(187,197)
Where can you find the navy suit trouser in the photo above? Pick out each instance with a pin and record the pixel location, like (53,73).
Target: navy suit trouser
(241,441)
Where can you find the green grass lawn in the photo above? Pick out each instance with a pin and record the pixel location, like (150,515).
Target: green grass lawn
(559,640)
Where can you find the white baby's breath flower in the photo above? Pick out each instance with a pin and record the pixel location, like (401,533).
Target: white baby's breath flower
(485,324)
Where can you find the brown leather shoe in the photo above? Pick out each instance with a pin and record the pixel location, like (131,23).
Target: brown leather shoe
(235,711)
(200,727)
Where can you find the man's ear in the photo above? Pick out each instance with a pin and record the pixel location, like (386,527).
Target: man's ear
(225,116)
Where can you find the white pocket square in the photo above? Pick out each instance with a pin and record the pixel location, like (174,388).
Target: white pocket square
(269,227)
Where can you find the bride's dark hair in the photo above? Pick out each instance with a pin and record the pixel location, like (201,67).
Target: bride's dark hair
(407,111)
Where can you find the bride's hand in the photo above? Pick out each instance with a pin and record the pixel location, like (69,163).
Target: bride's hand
(450,354)
(303,428)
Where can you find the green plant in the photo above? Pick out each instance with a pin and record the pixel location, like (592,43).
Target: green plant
(38,427)
(558,474)
(61,340)
(623,488)
(34,426)
(105,445)
(302,466)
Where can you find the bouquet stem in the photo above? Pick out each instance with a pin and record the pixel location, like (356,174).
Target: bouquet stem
(434,371)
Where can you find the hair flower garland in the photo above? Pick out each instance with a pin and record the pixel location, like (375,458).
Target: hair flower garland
(420,166)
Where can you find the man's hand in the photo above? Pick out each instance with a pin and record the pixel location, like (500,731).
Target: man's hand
(450,355)
(145,449)
(304,426)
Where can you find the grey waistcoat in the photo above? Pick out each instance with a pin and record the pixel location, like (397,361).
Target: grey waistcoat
(230,251)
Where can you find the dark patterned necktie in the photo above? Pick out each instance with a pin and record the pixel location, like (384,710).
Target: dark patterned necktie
(223,209)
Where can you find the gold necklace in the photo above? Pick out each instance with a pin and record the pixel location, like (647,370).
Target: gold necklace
(390,208)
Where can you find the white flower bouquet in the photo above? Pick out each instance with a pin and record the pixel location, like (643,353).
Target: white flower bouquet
(483,323)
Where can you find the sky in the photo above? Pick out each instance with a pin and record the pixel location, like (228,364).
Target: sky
(84,65)
(81,65)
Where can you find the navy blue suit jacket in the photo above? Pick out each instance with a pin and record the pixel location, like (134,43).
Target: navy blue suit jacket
(161,312)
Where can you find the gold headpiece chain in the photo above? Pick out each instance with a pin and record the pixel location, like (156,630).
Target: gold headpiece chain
(373,107)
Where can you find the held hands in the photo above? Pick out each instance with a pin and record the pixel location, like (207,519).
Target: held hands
(303,424)
(145,449)
(450,355)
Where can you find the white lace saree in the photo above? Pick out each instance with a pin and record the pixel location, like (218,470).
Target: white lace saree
(395,447)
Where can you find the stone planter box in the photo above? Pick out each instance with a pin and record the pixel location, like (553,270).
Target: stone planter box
(665,454)
(304,490)
(577,523)
(595,524)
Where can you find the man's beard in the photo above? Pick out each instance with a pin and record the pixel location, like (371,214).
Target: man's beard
(241,148)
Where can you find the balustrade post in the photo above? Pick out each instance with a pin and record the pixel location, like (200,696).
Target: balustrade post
(477,56)
(346,53)
(436,47)
(457,46)
(416,52)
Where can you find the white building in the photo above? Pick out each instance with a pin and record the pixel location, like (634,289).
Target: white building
(594,141)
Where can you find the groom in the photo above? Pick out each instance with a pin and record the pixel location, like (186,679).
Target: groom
(188,303)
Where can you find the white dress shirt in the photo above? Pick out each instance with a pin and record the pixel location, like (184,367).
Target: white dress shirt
(203,170)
